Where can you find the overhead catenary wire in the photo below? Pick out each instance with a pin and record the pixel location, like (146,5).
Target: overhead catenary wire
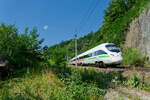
(80,24)
(85,20)
(87,17)
(86,14)
(96,24)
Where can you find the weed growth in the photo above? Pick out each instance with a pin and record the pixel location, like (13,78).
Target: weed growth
(132,57)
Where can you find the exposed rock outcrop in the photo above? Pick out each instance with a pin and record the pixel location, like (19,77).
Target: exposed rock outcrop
(138,35)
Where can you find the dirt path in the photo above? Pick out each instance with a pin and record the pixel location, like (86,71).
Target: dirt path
(126,94)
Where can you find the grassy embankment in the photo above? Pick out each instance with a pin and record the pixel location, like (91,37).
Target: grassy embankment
(54,83)
(66,83)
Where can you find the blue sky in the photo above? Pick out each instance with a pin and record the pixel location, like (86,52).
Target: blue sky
(56,20)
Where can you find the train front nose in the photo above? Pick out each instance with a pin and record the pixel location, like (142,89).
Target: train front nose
(119,60)
(116,59)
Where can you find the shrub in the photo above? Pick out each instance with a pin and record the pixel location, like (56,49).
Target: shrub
(57,56)
(132,57)
(51,62)
(46,86)
(134,81)
(21,50)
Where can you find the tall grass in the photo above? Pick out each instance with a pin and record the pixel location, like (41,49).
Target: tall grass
(47,86)
(64,83)
(59,83)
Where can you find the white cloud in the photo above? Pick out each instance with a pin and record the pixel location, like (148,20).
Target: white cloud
(45,27)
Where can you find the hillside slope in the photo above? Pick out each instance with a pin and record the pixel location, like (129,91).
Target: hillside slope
(118,16)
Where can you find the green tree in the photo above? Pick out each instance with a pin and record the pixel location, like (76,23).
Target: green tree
(21,50)
(58,55)
(117,8)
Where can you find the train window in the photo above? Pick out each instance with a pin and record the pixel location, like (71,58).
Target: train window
(86,56)
(90,55)
(99,52)
(95,53)
(112,48)
(81,57)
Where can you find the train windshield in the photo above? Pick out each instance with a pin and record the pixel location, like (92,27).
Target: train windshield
(112,48)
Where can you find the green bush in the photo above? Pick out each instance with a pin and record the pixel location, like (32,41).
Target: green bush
(57,56)
(21,50)
(51,62)
(132,57)
(134,81)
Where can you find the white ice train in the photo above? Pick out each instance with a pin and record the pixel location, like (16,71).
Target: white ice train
(101,55)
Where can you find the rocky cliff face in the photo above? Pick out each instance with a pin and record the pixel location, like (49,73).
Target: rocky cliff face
(138,35)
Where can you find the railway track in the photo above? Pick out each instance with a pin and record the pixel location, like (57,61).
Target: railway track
(119,68)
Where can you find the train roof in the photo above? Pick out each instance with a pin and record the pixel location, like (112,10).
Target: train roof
(92,50)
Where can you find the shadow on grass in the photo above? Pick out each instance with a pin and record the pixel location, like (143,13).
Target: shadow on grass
(103,80)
